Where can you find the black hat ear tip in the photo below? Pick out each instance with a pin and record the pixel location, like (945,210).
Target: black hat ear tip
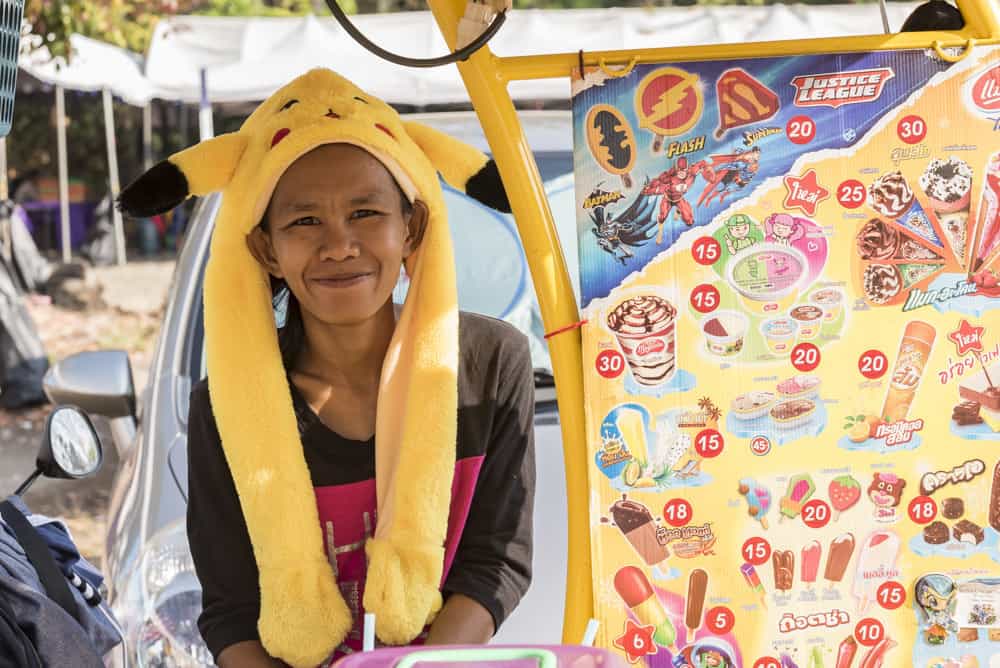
(487,187)
(160,189)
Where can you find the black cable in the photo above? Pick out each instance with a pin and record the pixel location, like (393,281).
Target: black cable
(454,56)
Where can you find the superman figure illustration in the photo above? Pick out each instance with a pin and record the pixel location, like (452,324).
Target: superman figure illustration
(731,172)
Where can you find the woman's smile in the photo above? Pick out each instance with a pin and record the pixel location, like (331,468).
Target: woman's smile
(341,280)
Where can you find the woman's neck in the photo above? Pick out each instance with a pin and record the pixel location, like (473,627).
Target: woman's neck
(348,356)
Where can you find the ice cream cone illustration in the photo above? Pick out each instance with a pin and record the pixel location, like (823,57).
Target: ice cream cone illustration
(948,187)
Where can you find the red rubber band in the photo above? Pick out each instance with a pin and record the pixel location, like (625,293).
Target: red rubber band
(567,328)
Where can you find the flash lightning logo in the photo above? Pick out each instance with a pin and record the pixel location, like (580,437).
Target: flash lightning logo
(668,101)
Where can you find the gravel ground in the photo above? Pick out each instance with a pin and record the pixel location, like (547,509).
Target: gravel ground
(129,319)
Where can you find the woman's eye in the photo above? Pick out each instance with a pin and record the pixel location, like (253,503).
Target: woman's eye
(364,213)
(307,221)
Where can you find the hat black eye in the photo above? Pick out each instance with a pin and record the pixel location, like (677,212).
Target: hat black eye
(288,105)
(360,99)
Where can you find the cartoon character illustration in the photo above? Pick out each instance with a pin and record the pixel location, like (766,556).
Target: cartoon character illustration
(705,654)
(674,185)
(738,237)
(730,172)
(886,492)
(618,234)
(783,229)
(935,596)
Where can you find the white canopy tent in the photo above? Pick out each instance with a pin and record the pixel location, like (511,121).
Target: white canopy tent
(94,66)
(247,59)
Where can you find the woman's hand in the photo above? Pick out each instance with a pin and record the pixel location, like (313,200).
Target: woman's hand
(462,621)
(248,654)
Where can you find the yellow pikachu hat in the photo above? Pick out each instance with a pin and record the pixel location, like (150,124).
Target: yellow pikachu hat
(303,615)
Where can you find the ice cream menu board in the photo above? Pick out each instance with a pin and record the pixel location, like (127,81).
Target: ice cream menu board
(790,278)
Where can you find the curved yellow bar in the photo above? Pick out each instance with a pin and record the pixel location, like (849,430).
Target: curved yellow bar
(516,162)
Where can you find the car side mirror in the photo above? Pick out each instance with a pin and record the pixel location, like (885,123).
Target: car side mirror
(99,382)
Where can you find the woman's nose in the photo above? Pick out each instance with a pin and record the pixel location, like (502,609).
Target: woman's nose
(338,242)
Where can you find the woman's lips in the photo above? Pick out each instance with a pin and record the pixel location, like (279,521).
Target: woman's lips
(342,281)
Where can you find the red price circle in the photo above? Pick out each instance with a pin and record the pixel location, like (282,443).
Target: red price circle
(720,620)
(677,512)
(800,129)
(709,443)
(816,514)
(760,445)
(922,509)
(706,250)
(610,363)
(911,129)
(756,551)
(873,364)
(869,632)
(805,357)
(767,662)
(851,194)
(891,595)
(705,298)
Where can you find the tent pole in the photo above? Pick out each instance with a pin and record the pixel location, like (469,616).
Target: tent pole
(147,136)
(63,172)
(109,134)
(205,128)
(6,234)
(4,183)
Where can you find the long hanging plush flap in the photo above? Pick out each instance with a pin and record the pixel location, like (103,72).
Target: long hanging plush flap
(303,615)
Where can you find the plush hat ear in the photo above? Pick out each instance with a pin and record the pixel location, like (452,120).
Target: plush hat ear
(205,167)
(461,165)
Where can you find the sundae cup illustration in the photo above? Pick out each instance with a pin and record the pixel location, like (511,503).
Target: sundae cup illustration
(644,327)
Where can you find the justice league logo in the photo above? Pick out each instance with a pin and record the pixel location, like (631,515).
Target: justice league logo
(835,89)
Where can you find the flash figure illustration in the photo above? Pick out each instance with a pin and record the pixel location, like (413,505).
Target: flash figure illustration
(674,185)
(935,595)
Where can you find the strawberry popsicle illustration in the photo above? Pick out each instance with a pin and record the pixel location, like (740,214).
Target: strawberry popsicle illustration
(838,557)
(758,499)
(844,492)
(800,489)
(811,554)
(640,597)
(753,579)
(845,653)
(876,564)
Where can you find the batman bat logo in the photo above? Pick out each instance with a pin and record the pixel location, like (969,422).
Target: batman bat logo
(610,139)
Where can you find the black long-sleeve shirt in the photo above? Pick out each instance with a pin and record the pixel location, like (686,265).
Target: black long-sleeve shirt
(488,546)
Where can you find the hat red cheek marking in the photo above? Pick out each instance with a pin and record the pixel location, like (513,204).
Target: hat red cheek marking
(385,130)
(279,135)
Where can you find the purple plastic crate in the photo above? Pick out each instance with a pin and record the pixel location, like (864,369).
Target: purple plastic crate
(485,656)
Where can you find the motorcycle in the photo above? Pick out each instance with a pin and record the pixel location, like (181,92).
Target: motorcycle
(51,607)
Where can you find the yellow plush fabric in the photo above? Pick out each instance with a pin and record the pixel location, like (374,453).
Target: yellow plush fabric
(303,616)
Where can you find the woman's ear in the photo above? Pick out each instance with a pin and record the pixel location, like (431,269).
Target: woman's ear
(259,243)
(416,225)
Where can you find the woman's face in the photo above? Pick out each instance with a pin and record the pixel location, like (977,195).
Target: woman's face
(339,230)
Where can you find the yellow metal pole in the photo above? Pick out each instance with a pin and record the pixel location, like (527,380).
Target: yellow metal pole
(516,163)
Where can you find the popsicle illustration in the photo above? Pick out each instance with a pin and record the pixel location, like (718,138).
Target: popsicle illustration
(876,655)
(695,601)
(838,556)
(800,489)
(753,579)
(816,657)
(783,564)
(844,492)
(811,554)
(876,564)
(634,588)
(845,653)
(758,499)
(787,661)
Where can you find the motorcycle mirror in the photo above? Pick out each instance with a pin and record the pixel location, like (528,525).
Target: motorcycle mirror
(70,448)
